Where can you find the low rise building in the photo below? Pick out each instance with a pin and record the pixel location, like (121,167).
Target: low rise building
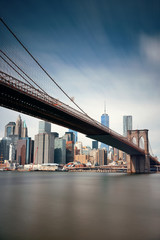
(83,159)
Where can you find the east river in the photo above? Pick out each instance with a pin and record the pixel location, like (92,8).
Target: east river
(83,205)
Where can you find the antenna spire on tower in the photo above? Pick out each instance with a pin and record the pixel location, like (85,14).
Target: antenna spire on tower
(105,107)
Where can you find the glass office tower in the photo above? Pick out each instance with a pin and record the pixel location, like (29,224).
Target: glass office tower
(76,135)
(105,122)
(44,127)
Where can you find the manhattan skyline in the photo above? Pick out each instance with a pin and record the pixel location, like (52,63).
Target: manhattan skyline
(97,51)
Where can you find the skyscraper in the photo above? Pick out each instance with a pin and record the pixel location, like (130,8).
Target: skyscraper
(69,151)
(18,127)
(24,132)
(69,136)
(44,142)
(105,122)
(60,151)
(95,144)
(21,128)
(9,129)
(24,151)
(4,148)
(44,127)
(127,124)
(75,135)
(101,157)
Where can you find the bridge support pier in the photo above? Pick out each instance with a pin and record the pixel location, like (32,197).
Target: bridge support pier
(138,164)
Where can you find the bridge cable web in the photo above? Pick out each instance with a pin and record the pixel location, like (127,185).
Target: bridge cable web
(49,76)
(21,71)
(50,99)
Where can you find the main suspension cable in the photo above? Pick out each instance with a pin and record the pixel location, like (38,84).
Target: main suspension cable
(44,69)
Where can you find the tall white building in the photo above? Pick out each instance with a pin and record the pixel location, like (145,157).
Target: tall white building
(127,124)
(44,146)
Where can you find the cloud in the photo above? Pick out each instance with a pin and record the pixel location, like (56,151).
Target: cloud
(129,87)
(150,48)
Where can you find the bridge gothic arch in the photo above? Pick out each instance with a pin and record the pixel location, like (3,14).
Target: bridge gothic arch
(139,163)
(134,140)
(140,138)
(141,142)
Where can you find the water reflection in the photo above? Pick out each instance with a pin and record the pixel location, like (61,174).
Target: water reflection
(79,205)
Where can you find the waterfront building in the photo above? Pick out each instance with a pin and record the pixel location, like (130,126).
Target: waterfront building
(29,150)
(93,156)
(25,149)
(4,148)
(127,124)
(39,148)
(101,157)
(78,148)
(120,155)
(105,122)
(21,152)
(70,141)
(86,150)
(69,151)
(9,129)
(12,152)
(8,148)
(95,144)
(44,127)
(110,155)
(44,146)
(13,132)
(14,140)
(60,151)
(116,154)
(82,159)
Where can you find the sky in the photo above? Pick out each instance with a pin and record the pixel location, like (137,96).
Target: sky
(98,51)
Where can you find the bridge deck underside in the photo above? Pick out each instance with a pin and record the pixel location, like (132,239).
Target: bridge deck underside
(28,104)
(111,141)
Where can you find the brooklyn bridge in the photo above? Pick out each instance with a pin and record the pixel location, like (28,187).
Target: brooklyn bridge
(22,93)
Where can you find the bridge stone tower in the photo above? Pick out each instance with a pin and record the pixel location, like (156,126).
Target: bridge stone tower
(139,163)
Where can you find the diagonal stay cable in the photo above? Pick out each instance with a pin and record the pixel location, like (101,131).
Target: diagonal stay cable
(16,71)
(21,71)
(44,69)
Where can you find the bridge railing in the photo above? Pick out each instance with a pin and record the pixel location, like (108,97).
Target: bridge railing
(26,88)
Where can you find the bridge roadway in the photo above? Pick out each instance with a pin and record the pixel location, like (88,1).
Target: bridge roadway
(21,97)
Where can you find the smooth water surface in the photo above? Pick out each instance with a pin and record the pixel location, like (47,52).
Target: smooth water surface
(39,205)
